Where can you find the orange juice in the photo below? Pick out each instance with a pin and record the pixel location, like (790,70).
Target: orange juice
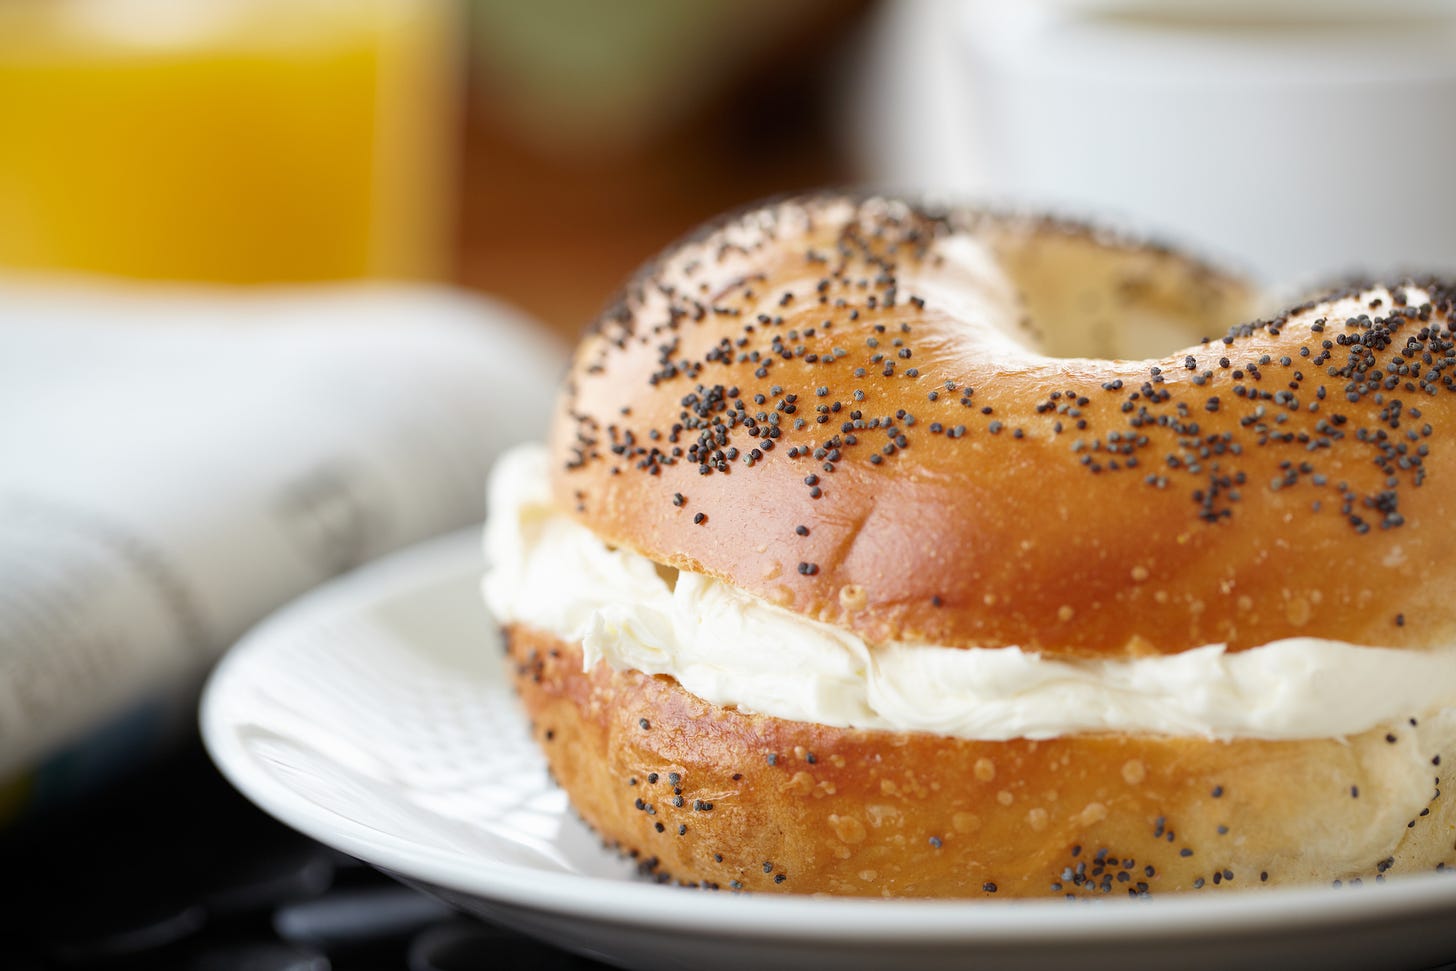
(227,140)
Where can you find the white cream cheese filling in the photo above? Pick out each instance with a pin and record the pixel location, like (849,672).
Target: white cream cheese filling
(733,649)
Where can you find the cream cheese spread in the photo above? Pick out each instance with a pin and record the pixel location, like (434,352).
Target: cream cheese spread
(733,649)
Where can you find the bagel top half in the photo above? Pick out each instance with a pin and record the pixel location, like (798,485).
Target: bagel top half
(943,428)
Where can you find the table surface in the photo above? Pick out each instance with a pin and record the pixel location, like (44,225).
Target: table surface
(172,868)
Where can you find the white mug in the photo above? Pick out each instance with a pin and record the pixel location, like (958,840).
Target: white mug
(1296,141)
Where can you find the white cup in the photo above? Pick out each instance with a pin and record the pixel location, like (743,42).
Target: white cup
(1298,141)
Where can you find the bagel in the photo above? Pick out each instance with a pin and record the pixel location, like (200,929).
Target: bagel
(882,550)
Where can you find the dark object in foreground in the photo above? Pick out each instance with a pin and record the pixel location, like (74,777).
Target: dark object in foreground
(174,869)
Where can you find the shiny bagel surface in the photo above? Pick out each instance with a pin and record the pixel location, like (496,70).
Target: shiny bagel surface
(965,430)
(838,404)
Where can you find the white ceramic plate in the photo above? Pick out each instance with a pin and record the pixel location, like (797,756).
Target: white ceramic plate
(375,716)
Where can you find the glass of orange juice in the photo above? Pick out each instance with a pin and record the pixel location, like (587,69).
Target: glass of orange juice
(228,140)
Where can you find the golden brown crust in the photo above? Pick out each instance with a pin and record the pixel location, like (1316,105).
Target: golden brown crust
(1291,479)
(708,795)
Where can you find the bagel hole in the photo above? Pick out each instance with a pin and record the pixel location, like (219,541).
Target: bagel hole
(1123,302)
(668,574)
(1126,319)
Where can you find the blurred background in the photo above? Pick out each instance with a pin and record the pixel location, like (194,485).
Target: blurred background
(535,151)
(540,151)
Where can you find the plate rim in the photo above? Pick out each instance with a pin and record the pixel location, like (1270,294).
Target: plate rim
(804,918)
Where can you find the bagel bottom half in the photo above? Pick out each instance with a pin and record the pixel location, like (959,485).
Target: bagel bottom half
(707,795)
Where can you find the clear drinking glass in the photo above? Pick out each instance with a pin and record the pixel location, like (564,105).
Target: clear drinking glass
(228,140)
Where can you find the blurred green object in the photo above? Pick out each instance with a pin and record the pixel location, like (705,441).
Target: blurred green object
(569,74)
